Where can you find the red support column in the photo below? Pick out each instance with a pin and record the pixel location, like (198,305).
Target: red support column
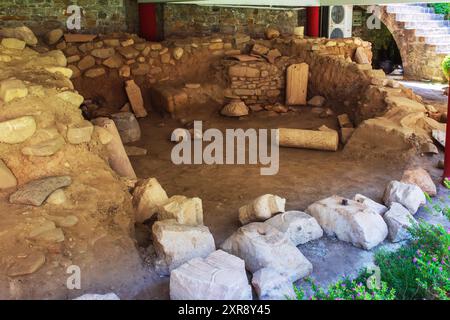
(147,21)
(447,141)
(313,21)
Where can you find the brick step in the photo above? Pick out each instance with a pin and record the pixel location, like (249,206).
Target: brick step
(423,32)
(411,17)
(427,24)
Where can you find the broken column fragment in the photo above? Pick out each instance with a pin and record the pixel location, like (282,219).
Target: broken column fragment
(309,139)
(135,97)
(262,208)
(117,156)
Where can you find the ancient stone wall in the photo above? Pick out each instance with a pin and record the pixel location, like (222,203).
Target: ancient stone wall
(98,15)
(189,20)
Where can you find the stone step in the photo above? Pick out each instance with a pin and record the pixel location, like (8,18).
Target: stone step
(410,17)
(443,49)
(423,32)
(427,24)
(438,39)
(408,9)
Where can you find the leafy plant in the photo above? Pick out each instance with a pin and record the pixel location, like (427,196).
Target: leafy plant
(446,66)
(441,8)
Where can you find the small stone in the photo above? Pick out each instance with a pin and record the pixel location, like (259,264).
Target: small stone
(177,53)
(27,265)
(135,97)
(262,208)
(13,43)
(17,130)
(37,191)
(165,58)
(141,69)
(186,211)
(23,33)
(298,226)
(80,133)
(360,56)
(272,33)
(7,178)
(216,46)
(127,43)
(259,49)
(57,197)
(235,109)
(398,220)
(408,195)
(147,197)
(73,59)
(192,85)
(270,285)
(135,151)
(127,126)
(176,244)
(76,73)
(71,97)
(316,101)
(63,222)
(45,148)
(54,235)
(86,63)
(66,72)
(420,178)
(95,72)
(103,53)
(103,135)
(128,52)
(12,89)
(53,36)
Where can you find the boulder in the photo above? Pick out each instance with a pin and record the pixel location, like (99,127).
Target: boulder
(147,197)
(7,178)
(421,178)
(187,211)
(316,101)
(23,33)
(375,206)
(262,208)
(11,89)
(398,220)
(53,36)
(13,43)
(127,126)
(80,133)
(262,246)
(408,195)
(270,285)
(220,276)
(37,191)
(349,221)
(297,226)
(17,130)
(176,244)
(90,296)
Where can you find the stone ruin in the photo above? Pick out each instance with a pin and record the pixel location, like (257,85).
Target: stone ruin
(69,195)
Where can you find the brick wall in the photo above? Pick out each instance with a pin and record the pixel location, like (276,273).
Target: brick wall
(42,15)
(189,20)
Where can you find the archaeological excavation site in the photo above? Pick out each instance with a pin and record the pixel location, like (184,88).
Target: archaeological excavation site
(224,150)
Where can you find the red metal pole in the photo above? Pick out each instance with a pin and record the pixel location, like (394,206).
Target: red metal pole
(447,141)
(147,21)
(313,20)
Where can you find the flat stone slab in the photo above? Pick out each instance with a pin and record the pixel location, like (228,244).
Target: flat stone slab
(221,276)
(27,265)
(36,192)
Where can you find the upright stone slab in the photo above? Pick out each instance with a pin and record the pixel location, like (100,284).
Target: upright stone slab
(176,244)
(148,196)
(298,226)
(297,84)
(221,276)
(262,208)
(408,195)
(262,246)
(349,221)
(135,97)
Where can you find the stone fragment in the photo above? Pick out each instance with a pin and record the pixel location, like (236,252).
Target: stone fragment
(259,49)
(103,135)
(127,126)
(316,101)
(103,53)
(262,208)
(408,195)
(71,97)
(37,191)
(44,148)
(127,43)
(128,52)
(349,221)
(66,72)
(262,246)
(12,89)
(113,62)
(165,58)
(75,71)
(80,133)
(421,178)
(135,97)
(216,46)
(398,220)
(270,285)
(7,178)
(57,197)
(140,69)
(17,130)
(177,53)
(361,56)
(95,72)
(29,264)
(135,151)
(272,33)
(297,84)
(187,211)
(176,244)
(221,276)
(299,31)
(148,196)
(90,296)
(235,109)
(344,121)
(192,85)
(78,37)
(112,42)
(346,134)
(86,63)
(375,206)
(53,36)
(125,71)
(73,59)
(297,226)
(53,235)
(23,33)
(13,43)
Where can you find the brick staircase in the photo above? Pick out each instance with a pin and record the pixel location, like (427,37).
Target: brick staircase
(427,24)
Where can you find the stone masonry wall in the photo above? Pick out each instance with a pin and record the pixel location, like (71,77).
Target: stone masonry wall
(43,15)
(190,20)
